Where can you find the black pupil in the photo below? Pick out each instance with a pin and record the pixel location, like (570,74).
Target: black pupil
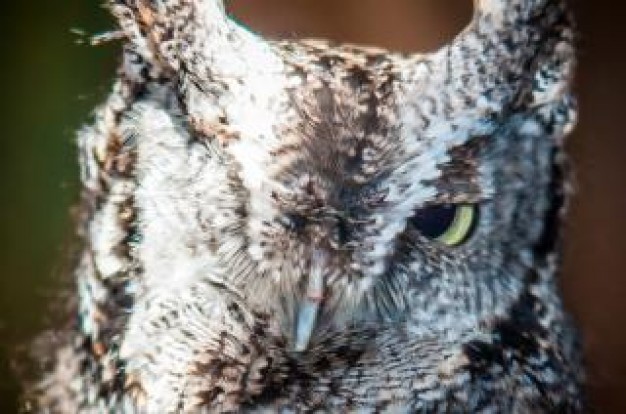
(434,221)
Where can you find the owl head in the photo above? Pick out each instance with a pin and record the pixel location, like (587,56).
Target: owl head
(342,186)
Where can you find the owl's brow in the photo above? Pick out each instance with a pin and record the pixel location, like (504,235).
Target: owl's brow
(460,179)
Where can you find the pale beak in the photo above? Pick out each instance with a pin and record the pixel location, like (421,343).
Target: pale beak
(309,309)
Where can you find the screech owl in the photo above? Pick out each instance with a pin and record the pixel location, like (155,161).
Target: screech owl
(298,226)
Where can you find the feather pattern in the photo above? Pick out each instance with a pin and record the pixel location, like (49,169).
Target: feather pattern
(249,242)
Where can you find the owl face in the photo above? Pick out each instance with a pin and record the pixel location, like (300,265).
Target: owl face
(335,185)
(304,199)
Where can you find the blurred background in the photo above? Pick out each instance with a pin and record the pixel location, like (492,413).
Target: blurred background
(50,79)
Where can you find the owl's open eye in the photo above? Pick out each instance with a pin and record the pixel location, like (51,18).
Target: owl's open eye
(449,224)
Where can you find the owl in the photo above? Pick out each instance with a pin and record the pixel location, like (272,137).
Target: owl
(299,226)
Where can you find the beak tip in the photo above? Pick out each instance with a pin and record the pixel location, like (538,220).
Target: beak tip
(305,325)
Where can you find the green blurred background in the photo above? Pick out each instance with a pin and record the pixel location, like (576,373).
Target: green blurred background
(51,80)
(49,84)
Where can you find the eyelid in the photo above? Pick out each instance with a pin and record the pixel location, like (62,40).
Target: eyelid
(459,198)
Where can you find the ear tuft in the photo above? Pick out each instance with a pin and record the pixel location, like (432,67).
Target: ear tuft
(169,33)
(487,66)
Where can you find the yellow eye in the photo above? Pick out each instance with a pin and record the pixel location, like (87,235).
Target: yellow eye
(450,225)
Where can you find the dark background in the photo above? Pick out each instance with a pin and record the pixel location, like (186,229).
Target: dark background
(50,80)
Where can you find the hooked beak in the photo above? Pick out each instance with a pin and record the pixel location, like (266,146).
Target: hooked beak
(309,308)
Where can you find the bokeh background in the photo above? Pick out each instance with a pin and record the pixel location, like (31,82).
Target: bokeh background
(50,79)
